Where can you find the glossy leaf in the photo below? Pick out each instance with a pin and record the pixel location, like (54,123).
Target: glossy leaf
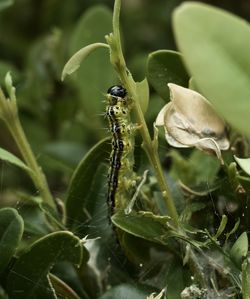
(163,67)
(8,157)
(71,276)
(85,188)
(11,230)
(29,276)
(62,289)
(144,225)
(219,63)
(75,61)
(239,249)
(244,164)
(95,74)
(246,278)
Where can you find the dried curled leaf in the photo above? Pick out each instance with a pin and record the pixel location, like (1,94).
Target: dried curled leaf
(190,120)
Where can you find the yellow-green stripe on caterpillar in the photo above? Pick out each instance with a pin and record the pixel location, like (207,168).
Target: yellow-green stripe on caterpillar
(120,179)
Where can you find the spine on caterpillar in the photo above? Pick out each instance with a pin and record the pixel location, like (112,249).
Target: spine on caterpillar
(121,175)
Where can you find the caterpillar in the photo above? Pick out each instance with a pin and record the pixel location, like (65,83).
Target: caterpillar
(121,175)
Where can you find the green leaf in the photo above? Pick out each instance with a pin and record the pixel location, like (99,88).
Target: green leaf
(95,74)
(206,167)
(219,63)
(163,67)
(35,220)
(8,157)
(246,279)
(11,230)
(199,169)
(239,249)
(11,90)
(233,230)
(177,279)
(221,227)
(62,289)
(143,92)
(244,164)
(29,276)
(75,61)
(68,153)
(151,227)
(145,225)
(73,277)
(86,187)
(190,209)
(125,291)
(7,67)
(5,3)
(132,245)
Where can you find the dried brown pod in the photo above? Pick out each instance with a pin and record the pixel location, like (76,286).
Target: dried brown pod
(189,120)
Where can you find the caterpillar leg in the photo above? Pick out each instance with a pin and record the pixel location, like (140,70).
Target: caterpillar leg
(134,127)
(129,208)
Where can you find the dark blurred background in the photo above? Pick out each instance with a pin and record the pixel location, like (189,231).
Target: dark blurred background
(146,24)
(63,119)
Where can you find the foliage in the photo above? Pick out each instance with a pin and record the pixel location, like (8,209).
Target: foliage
(183,230)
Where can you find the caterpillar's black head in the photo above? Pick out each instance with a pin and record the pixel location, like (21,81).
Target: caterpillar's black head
(117,91)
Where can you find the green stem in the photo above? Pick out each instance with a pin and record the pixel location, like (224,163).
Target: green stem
(38,176)
(117,59)
(149,145)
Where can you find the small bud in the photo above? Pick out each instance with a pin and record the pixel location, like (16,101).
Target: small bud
(9,87)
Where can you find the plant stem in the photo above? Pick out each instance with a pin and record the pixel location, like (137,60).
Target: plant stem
(117,59)
(149,145)
(38,176)
(151,152)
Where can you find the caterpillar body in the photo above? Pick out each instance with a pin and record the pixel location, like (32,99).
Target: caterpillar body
(121,175)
